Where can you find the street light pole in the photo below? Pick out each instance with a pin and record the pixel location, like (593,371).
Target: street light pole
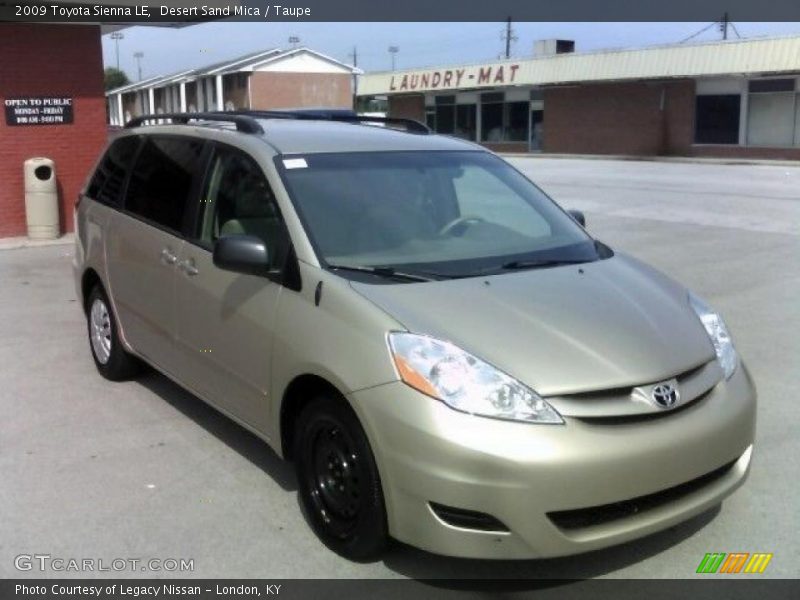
(117,36)
(393,50)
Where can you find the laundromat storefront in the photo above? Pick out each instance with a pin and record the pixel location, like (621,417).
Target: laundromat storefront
(734,98)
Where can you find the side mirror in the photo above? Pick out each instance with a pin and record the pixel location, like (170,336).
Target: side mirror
(242,254)
(578,216)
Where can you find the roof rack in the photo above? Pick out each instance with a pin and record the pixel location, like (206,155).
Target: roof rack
(321,114)
(246,120)
(244,123)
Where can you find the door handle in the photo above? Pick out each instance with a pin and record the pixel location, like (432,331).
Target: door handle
(187,266)
(167,257)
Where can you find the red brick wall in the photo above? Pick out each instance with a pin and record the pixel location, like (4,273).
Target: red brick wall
(619,118)
(50,60)
(288,90)
(679,101)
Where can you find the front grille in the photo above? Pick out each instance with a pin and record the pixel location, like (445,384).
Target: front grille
(641,417)
(620,406)
(598,515)
(467,519)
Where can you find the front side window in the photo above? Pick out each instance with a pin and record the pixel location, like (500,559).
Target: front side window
(453,213)
(238,200)
(162,180)
(107,182)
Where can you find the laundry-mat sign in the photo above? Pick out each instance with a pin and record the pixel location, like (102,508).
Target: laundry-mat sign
(457,77)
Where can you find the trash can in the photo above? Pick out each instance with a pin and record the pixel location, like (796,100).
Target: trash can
(41,199)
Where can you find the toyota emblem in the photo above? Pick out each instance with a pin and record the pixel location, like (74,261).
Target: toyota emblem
(665,395)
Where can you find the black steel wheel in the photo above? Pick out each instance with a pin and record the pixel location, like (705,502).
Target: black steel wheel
(338,480)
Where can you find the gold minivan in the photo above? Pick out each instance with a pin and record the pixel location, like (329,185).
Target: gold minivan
(449,358)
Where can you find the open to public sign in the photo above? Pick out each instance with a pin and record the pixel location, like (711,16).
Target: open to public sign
(39,110)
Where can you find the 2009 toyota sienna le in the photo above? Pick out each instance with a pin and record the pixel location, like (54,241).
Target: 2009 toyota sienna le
(447,356)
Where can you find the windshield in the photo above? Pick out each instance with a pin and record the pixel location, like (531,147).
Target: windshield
(450,214)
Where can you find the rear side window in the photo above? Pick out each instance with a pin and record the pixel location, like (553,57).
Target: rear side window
(109,178)
(163,179)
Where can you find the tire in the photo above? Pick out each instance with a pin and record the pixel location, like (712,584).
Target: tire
(110,358)
(338,481)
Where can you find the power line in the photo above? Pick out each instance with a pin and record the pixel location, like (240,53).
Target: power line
(723,28)
(703,30)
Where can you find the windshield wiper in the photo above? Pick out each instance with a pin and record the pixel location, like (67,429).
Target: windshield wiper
(537,264)
(386,272)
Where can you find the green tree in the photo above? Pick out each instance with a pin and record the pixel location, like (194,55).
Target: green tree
(115,78)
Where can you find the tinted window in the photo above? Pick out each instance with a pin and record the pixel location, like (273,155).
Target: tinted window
(239,201)
(108,179)
(162,180)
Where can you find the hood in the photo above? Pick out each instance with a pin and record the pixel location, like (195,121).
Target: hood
(564,330)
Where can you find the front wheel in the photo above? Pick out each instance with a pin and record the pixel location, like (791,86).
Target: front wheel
(338,480)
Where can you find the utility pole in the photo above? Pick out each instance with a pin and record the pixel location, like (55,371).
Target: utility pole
(117,36)
(723,26)
(354,55)
(139,56)
(508,36)
(393,50)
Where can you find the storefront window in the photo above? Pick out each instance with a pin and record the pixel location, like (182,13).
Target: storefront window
(771,112)
(503,121)
(492,122)
(717,119)
(445,114)
(466,121)
(517,121)
(430,118)
(445,118)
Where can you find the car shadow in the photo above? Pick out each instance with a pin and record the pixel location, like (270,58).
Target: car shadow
(247,444)
(474,574)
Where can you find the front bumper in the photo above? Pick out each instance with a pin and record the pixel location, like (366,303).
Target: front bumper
(520,473)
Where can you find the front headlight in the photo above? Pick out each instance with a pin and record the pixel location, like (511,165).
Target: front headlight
(718,332)
(448,373)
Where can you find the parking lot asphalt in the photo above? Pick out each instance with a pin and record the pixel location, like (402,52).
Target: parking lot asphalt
(142,469)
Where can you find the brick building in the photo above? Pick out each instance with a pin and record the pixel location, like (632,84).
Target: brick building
(735,99)
(47,62)
(264,80)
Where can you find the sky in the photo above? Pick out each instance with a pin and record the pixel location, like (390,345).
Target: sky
(168,50)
